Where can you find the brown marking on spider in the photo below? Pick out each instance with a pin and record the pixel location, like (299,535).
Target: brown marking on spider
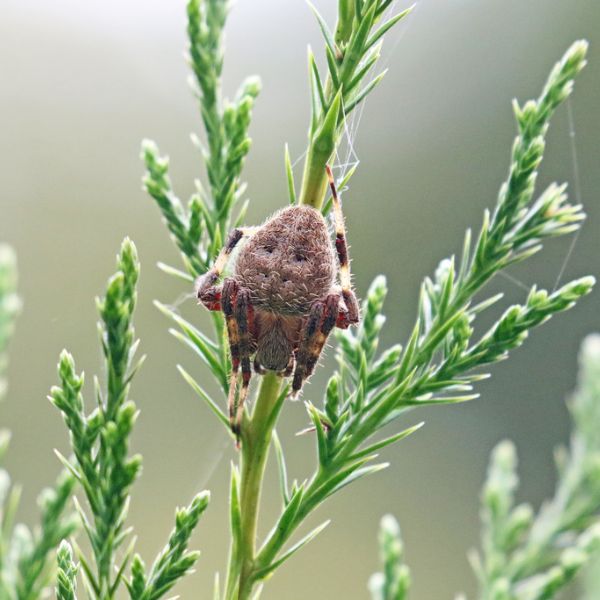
(282,300)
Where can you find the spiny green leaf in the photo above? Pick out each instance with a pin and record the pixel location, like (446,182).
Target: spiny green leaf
(387,26)
(265,571)
(290,176)
(283,477)
(327,35)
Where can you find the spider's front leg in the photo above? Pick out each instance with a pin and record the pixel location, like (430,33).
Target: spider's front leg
(207,290)
(235,304)
(239,318)
(321,320)
(348,312)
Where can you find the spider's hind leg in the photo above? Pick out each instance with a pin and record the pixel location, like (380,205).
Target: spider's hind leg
(351,315)
(244,317)
(290,366)
(321,320)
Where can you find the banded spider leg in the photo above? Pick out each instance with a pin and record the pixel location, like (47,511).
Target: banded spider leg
(328,312)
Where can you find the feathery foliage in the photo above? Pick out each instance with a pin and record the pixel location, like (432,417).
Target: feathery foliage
(352,53)
(591,581)
(370,388)
(532,557)
(66,581)
(174,561)
(393,582)
(528,556)
(200,230)
(26,563)
(101,462)
(25,555)
(34,563)
(10,305)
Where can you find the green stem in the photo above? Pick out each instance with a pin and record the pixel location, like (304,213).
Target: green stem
(256,440)
(257,431)
(322,143)
(314,180)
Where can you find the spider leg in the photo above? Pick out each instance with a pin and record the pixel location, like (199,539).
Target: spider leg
(229,298)
(321,320)
(207,291)
(351,315)
(290,367)
(244,317)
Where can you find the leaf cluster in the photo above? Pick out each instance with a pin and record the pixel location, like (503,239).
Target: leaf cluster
(10,305)
(100,440)
(442,359)
(200,229)
(524,555)
(528,556)
(174,561)
(435,365)
(352,52)
(25,555)
(66,579)
(371,389)
(26,565)
(101,460)
(393,582)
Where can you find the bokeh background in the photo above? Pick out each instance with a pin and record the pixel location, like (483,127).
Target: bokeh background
(84,82)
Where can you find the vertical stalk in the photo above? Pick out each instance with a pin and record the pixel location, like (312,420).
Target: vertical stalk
(346,14)
(324,138)
(256,441)
(314,180)
(257,431)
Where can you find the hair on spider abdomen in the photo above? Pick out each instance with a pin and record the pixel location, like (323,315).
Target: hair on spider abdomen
(289,262)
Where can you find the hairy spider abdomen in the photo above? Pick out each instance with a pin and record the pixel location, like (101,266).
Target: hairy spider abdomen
(289,262)
(277,336)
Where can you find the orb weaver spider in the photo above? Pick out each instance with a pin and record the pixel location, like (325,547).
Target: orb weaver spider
(282,300)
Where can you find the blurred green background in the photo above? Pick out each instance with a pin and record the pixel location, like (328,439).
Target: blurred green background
(83,83)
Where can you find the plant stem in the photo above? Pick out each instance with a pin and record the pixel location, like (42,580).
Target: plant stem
(257,431)
(314,180)
(256,441)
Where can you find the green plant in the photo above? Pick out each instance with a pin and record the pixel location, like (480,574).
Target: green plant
(370,389)
(101,463)
(393,583)
(25,555)
(528,556)
(591,581)
(10,306)
(66,580)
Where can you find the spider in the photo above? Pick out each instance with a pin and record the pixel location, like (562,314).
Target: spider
(282,300)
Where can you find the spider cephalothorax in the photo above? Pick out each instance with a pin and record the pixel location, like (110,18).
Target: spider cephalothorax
(281,301)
